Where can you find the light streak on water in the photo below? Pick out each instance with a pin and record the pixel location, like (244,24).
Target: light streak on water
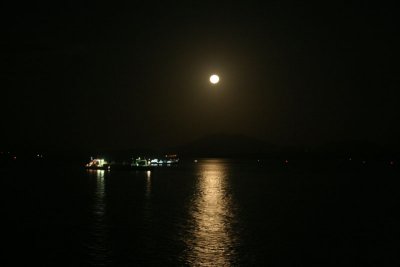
(98,250)
(211,242)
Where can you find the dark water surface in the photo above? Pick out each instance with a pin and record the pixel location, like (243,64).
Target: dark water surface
(212,213)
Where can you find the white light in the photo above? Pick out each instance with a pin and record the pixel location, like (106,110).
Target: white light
(214,79)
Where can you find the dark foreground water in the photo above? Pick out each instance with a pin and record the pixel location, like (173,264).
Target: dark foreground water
(211,213)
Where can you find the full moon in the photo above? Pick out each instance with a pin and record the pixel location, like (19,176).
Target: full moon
(214,79)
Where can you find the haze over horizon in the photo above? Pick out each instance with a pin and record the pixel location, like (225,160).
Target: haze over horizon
(137,75)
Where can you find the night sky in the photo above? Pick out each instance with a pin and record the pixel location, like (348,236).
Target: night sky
(115,76)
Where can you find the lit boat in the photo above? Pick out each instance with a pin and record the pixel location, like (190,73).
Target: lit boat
(98,164)
(138,164)
(141,164)
(171,159)
(168,160)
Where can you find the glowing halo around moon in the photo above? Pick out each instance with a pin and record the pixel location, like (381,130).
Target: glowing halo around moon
(214,79)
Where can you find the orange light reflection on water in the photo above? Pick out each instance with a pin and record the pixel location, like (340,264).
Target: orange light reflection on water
(211,240)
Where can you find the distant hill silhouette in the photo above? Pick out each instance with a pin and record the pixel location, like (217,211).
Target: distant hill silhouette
(217,145)
(241,146)
(225,145)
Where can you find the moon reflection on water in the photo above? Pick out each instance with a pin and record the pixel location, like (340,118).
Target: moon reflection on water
(211,241)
